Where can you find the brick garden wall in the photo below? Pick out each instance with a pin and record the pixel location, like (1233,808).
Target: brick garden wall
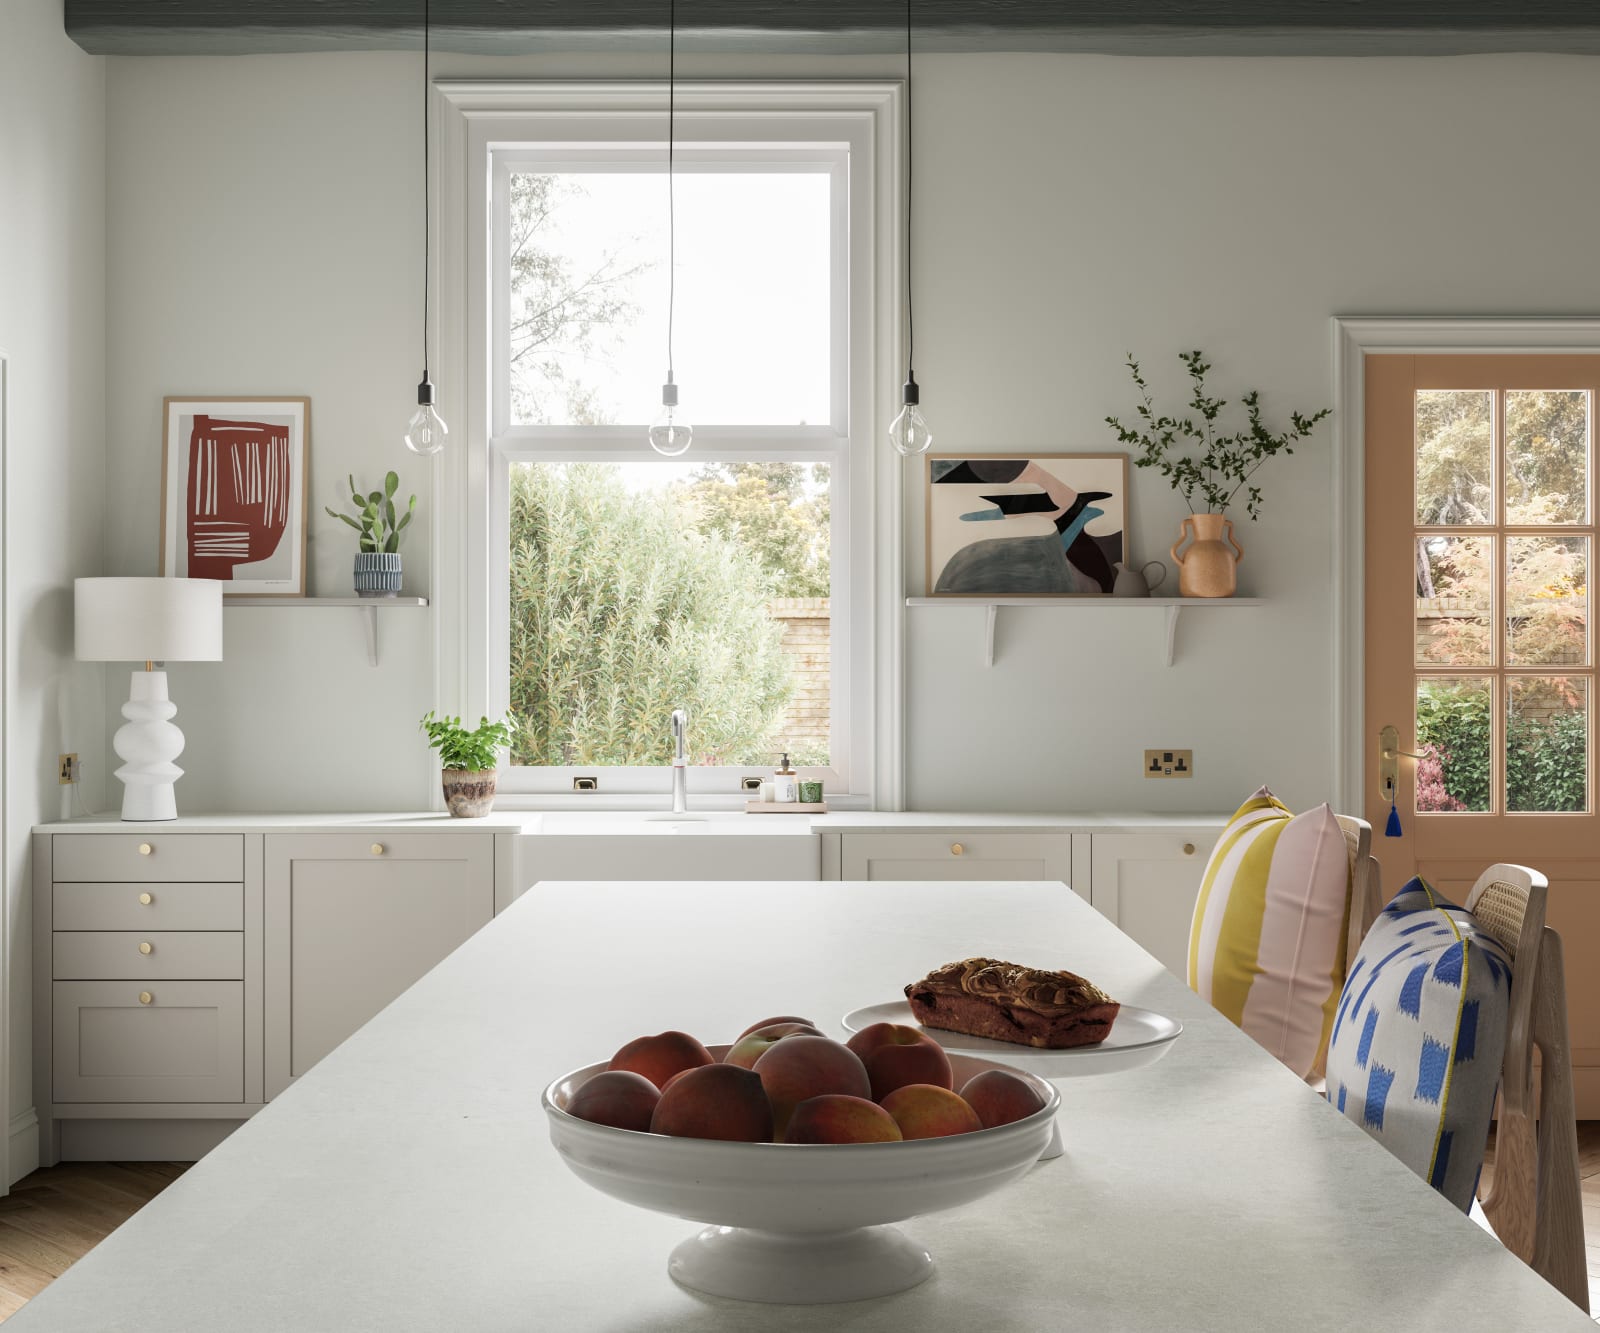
(807,635)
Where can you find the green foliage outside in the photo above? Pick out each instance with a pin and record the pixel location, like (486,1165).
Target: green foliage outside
(374,518)
(473,749)
(1546,456)
(1546,757)
(778,512)
(620,612)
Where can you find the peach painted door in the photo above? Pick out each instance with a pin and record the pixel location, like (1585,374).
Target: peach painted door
(1480,653)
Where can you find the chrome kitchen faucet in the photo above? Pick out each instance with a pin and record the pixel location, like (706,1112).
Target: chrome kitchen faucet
(680,762)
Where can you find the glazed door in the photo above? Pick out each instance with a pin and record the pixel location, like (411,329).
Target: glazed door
(1480,532)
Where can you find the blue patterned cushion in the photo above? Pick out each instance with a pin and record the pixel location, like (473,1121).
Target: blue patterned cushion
(1419,1036)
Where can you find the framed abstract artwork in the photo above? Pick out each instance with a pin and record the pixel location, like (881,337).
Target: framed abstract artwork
(233,493)
(1026,525)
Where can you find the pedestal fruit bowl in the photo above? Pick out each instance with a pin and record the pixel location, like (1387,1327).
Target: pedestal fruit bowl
(798,1223)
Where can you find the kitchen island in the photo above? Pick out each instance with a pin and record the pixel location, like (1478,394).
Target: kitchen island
(408,1181)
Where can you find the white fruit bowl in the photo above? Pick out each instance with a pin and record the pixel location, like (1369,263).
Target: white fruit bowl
(801,1224)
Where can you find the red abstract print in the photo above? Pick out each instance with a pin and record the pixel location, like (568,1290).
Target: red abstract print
(238,494)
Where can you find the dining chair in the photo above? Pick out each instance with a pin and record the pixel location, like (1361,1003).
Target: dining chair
(1534,1202)
(1366,879)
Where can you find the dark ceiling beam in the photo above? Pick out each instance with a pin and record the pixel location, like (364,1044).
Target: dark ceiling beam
(508,27)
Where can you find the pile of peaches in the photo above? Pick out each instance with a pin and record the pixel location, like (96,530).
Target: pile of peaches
(782,1081)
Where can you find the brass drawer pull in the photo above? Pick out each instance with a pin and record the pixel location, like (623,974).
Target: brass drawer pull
(145,997)
(146,947)
(956,849)
(377,849)
(1188,849)
(145,899)
(145,849)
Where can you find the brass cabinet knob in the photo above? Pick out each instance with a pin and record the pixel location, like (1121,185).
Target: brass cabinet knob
(1188,849)
(956,849)
(145,946)
(145,899)
(145,997)
(377,849)
(145,849)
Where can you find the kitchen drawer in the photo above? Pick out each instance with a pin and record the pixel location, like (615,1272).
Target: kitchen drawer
(147,856)
(956,854)
(169,906)
(149,955)
(171,1041)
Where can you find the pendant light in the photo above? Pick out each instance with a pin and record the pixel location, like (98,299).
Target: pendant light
(670,433)
(426,432)
(909,433)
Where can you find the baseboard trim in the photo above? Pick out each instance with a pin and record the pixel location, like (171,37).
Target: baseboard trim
(141,1140)
(22,1146)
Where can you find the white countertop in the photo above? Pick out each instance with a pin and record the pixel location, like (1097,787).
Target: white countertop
(408,1182)
(579,822)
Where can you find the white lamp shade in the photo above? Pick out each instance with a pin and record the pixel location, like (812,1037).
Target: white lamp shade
(147,620)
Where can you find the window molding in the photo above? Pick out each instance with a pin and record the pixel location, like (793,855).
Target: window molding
(1355,337)
(473,116)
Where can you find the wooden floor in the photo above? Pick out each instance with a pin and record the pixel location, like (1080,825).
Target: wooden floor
(54,1216)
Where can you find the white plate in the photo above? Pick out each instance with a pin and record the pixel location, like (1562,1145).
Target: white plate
(1138,1037)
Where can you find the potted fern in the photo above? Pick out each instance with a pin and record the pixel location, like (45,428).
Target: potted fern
(378,572)
(467,761)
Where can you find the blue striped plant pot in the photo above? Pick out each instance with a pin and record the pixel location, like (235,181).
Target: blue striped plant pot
(377,574)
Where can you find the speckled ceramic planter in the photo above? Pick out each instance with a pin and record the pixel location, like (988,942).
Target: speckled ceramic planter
(468,792)
(377,574)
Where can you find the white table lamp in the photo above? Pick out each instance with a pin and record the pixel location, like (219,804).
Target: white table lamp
(148,620)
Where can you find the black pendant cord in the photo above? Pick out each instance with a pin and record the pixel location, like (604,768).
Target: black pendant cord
(672,237)
(911,319)
(427,210)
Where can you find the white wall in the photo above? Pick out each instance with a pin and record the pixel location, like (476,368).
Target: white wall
(1070,208)
(52,314)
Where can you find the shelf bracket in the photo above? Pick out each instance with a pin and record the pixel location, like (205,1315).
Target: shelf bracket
(1172,630)
(991,612)
(369,617)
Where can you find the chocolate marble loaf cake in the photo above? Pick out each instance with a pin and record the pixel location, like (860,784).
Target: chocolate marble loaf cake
(984,997)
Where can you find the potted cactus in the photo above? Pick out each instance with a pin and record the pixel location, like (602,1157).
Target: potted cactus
(467,761)
(378,572)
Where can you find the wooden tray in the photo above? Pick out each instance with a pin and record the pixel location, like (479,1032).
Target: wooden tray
(785,808)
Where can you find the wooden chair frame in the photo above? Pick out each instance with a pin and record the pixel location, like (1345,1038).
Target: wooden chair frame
(1365,879)
(1535,1201)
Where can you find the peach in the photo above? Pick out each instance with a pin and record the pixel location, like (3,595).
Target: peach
(832,1118)
(874,1035)
(659,1057)
(924,1111)
(800,1067)
(781,1018)
(903,1057)
(753,1045)
(715,1102)
(1000,1098)
(619,1098)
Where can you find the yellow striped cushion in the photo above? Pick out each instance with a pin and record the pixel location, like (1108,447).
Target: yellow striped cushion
(1267,945)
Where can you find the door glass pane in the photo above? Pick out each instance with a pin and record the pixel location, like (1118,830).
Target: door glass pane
(1455,475)
(1547,456)
(1454,577)
(1454,737)
(1547,743)
(588,300)
(1547,601)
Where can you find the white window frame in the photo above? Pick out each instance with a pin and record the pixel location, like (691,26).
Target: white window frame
(485,127)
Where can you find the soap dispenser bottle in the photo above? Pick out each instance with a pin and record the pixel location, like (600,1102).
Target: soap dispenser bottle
(785,788)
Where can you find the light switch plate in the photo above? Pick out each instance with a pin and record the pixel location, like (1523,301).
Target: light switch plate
(1169,763)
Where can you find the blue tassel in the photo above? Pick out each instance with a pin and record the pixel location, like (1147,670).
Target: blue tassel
(1392,828)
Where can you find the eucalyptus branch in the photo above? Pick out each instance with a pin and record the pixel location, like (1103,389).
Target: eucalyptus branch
(1192,453)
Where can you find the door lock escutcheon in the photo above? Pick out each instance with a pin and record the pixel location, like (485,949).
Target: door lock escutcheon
(1389,755)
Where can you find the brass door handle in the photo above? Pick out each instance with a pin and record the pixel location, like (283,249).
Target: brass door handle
(1389,755)
(145,997)
(956,849)
(145,899)
(1188,849)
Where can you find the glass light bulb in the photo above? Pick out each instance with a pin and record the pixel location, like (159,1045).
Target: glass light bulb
(670,433)
(909,432)
(426,432)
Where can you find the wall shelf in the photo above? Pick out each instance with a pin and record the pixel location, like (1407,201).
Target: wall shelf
(368,606)
(1170,606)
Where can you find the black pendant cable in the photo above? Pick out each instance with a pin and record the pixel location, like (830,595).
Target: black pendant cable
(427,431)
(670,433)
(909,433)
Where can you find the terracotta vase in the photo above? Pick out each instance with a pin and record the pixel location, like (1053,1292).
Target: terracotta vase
(468,792)
(1208,566)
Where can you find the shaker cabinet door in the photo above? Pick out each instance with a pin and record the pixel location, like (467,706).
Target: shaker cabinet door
(351,921)
(1146,884)
(956,854)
